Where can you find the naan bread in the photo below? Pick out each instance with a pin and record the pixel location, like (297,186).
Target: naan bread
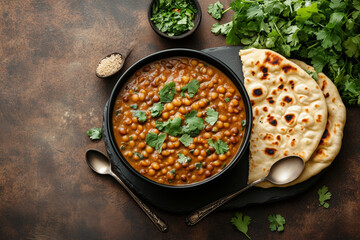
(289,110)
(330,143)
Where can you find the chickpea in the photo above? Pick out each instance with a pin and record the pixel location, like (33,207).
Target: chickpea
(194,62)
(128,121)
(203,70)
(169,106)
(201,171)
(141,145)
(186,101)
(132,143)
(207,173)
(125,138)
(196,152)
(134,120)
(230,110)
(165,115)
(170,145)
(177,144)
(226,124)
(219,124)
(145,163)
(202,103)
(142,135)
(142,171)
(163,146)
(165,153)
(145,154)
(156,98)
(182,110)
(155,166)
(223,118)
(207,135)
(185,79)
(177,165)
(170,176)
(222,157)
(192,146)
(221,89)
(234,131)
(163,171)
(140,128)
(216,163)
(210,72)
(200,158)
(135,98)
(183,178)
(133,126)
(177,102)
(135,157)
(234,102)
(149,149)
(193,177)
(203,153)
(151,172)
(122,130)
(227,133)
(128,154)
(141,96)
(213,95)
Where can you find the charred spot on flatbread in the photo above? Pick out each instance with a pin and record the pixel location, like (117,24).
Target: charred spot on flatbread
(264,70)
(327,95)
(281,86)
(288,68)
(270,100)
(252,102)
(323,85)
(257,92)
(272,59)
(319,117)
(272,120)
(278,137)
(292,84)
(252,73)
(265,109)
(325,137)
(269,137)
(270,151)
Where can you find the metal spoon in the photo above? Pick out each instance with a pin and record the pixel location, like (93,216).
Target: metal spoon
(102,165)
(281,172)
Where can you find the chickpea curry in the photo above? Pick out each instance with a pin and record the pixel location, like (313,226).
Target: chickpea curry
(179,121)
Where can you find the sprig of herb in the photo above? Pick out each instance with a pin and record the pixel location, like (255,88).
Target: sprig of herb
(276,222)
(134,106)
(220,146)
(186,140)
(194,125)
(183,159)
(212,116)
(139,155)
(192,88)
(168,92)
(155,141)
(156,109)
(94,133)
(215,10)
(140,115)
(241,222)
(171,127)
(324,195)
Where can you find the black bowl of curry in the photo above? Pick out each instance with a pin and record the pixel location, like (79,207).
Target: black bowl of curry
(179,118)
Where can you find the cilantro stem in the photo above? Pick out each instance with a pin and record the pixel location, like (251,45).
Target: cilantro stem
(313,45)
(226,10)
(277,29)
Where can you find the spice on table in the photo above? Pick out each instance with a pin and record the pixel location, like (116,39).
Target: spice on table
(109,65)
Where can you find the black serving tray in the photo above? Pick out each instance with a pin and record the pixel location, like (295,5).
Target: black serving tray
(175,201)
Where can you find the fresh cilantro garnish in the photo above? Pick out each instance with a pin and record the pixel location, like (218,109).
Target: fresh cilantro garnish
(168,92)
(131,138)
(243,124)
(198,165)
(212,116)
(172,171)
(183,159)
(134,106)
(192,87)
(215,10)
(223,166)
(324,195)
(173,17)
(122,147)
(140,115)
(227,99)
(241,223)
(94,133)
(276,222)
(139,155)
(192,150)
(208,152)
(222,29)
(194,124)
(186,140)
(155,141)
(171,127)
(325,33)
(117,113)
(220,146)
(156,109)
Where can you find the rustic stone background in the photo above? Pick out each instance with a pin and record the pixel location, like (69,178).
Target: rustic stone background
(50,97)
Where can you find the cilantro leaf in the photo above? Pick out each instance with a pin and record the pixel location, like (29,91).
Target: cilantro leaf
(220,146)
(168,92)
(194,125)
(215,10)
(241,222)
(227,99)
(312,74)
(198,165)
(243,124)
(212,116)
(171,127)
(155,141)
(139,155)
(94,133)
(276,222)
(222,29)
(192,87)
(134,106)
(183,159)
(186,140)
(324,195)
(140,115)
(156,109)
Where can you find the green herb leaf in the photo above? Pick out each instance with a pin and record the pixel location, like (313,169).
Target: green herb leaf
(241,222)
(134,106)
(192,150)
(139,155)
(227,99)
(156,109)
(94,133)
(192,87)
(220,146)
(183,159)
(324,195)
(167,93)
(194,125)
(198,165)
(171,127)
(243,124)
(222,29)
(117,113)
(155,141)
(276,222)
(212,116)
(140,115)
(173,172)
(215,10)
(122,147)
(186,140)
(312,74)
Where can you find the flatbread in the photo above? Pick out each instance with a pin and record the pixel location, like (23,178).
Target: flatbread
(289,110)
(330,143)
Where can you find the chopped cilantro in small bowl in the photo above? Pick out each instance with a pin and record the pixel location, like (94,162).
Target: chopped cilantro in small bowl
(174,19)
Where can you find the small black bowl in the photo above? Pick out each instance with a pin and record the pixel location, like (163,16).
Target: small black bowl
(177,52)
(197,20)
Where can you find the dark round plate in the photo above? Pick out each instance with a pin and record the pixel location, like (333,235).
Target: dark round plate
(176,201)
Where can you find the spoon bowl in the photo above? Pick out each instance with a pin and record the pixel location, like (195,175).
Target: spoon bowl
(281,172)
(102,165)
(123,58)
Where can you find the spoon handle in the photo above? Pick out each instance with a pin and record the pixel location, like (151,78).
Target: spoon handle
(199,214)
(160,224)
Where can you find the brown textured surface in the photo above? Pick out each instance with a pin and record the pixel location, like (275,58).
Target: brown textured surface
(50,97)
